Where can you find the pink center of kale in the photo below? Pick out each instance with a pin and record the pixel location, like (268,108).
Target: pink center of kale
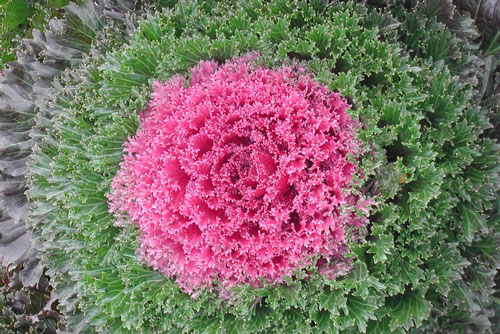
(240,175)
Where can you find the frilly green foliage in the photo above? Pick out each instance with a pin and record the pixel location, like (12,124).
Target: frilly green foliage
(430,246)
(469,310)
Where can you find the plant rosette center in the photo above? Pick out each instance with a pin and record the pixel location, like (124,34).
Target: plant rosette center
(241,174)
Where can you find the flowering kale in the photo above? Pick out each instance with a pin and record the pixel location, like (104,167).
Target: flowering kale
(239,175)
(427,260)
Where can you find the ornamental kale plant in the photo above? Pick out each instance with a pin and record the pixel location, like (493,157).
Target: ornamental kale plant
(426,257)
(241,176)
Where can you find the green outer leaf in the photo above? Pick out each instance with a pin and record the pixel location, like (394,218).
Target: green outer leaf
(409,310)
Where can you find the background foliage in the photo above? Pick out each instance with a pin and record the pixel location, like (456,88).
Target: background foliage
(19,17)
(26,309)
